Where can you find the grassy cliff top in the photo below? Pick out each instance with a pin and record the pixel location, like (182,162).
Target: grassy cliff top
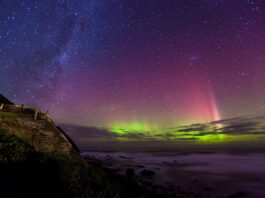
(26,172)
(38,160)
(35,128)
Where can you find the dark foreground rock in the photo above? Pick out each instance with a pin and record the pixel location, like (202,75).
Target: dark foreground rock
(26,172)
(130,173)
(147,173)
(37,159)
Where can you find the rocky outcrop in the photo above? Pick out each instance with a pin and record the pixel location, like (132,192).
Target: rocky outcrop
(41,133)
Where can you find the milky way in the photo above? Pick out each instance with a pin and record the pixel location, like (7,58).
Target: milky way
(147,64)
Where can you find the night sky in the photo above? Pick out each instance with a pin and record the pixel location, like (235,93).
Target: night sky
(134,64)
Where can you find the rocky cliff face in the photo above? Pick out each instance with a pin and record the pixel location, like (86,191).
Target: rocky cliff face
(37,159)
(41,132)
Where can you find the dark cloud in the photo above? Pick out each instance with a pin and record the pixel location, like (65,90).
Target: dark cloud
(190,133)
(253,125)
(136,136)
(240,128)
(197,127)
(84,132)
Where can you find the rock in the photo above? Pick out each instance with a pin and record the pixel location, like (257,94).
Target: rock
(237,195)
(147,183)
(108,157)
(126,165)
(42,133)
(123,157)
(147,173)
(140,166)
(207,189)
(94,161)
(130,173)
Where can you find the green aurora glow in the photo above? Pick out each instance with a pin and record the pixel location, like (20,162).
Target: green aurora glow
(212,134)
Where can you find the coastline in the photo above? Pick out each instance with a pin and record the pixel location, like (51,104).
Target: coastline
(191,174)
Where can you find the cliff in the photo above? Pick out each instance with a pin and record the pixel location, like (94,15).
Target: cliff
(37,159)
(37,130)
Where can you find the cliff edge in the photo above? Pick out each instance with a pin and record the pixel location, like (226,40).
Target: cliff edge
(34,127)
(37,159)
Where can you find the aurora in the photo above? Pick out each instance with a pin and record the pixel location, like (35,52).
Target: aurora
(162,92)
(214,132)
(130,127)
(138,69)
(203,108)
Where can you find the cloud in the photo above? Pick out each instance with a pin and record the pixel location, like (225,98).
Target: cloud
(194,127)
(236,126)
(84,132)
(190,133)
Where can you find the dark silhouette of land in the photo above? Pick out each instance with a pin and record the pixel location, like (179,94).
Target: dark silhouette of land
(38,159)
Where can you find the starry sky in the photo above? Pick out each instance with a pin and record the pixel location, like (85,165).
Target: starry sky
(134,64)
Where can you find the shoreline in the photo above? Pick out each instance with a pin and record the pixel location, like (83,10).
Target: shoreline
(197,174)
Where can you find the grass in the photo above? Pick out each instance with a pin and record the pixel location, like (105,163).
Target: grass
(7,114)
(12,116)
(28,173)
